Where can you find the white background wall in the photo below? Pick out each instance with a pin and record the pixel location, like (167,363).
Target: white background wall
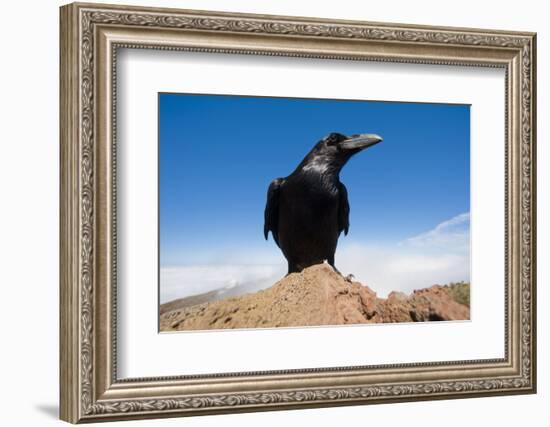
(29,170)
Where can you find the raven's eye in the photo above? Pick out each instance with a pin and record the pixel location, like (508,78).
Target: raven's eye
(332,140)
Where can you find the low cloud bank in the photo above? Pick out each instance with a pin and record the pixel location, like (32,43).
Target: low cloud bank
(184,281)
(438,256)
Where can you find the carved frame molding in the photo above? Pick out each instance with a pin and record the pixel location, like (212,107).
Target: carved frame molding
(90,37)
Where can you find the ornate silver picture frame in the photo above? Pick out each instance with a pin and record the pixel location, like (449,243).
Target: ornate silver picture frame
(91,37)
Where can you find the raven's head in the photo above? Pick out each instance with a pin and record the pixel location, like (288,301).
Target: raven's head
(333,151)
(348,145)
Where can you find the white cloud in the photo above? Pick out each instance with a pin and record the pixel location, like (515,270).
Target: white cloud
(386,269)
(453,234)
(438,256)
(184,281)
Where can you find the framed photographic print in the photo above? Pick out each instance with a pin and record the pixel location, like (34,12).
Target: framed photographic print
(266,212)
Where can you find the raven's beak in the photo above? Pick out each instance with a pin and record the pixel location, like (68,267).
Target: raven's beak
(360,142)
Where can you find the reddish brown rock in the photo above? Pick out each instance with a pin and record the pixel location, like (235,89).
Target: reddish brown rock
(316,296)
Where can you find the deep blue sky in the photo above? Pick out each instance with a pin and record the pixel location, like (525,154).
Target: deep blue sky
(218,155)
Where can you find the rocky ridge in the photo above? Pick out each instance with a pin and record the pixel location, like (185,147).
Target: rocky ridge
(316,296)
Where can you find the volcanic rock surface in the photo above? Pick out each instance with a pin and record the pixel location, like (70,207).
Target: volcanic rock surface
(316,296)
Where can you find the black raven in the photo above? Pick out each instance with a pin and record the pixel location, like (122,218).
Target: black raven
(307,210)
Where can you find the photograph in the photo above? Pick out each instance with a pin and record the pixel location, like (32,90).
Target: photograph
(294,212)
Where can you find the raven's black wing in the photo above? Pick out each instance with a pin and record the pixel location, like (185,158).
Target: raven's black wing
(272,209)
(343,210)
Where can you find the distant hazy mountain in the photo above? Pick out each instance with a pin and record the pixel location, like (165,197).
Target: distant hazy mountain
(215,295)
